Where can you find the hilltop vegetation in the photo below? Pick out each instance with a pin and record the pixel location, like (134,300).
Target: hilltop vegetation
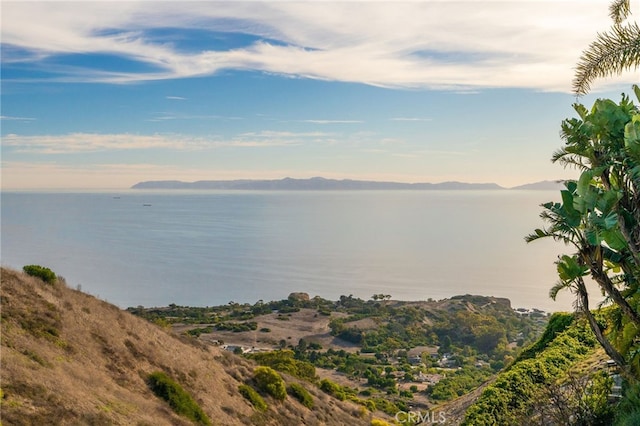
(69,358)
(562,379)
(380,353)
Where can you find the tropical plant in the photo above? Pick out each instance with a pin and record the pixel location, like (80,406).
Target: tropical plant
(568,225)
(611,52)
(599,216)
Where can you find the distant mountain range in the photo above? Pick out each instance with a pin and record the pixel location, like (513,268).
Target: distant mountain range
(320,183)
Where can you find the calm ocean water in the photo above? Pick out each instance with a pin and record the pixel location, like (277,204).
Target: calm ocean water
(208,248)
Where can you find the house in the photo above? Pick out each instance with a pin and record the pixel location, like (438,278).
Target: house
(429,379)
(236,348)
(447,361)
(420,351)
(415,360)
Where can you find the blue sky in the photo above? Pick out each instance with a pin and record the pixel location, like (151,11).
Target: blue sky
(106,94)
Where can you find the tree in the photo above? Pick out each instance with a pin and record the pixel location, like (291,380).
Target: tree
(270,382)
(600,214)
(611,52)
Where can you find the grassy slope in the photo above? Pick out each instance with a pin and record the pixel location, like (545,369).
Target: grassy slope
(69,358)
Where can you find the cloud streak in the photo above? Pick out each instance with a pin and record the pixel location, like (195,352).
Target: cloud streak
(447,45)
(9,118)
(332,121)
(411,119)
(93,142)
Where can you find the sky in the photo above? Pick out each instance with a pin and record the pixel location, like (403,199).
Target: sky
(108,94)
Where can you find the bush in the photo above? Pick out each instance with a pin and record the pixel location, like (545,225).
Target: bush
(254,398)
(270,382)
(301,394)
(45,274)
(284,361)
(179,400)
(237,327)
(385,406)
(333,389)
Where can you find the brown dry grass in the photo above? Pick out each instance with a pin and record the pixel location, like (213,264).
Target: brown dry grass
(306,324)
(69,358)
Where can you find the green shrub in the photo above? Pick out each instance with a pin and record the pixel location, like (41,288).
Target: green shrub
(558,322)
(237,327)
(179,400)
(384,405)
(45,274)
(270,382)
(284,361)
(253,397)
(301,394)
(196,332)
(333,389)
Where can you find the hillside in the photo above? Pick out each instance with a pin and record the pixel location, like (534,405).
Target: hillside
(69,358)
(389,354)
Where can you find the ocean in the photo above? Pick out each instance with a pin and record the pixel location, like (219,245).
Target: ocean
(205,248)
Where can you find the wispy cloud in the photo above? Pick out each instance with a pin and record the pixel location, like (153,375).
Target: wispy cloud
(176,98)
(280,138)
(405,155)
(166,116)
(411,119)
(332,121)
(93,142)
(5,117)
(452,45)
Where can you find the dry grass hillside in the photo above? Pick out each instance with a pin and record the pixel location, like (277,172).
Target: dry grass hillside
(69,358)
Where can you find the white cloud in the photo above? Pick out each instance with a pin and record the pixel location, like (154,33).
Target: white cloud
(176,98)
(166,116)
(9,118)
(332,121)
(449,45)
(411,119)
(95,142)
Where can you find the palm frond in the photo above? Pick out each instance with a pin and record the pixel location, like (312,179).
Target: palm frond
(569,160)
(560,285)
(611,53)
(619,10)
